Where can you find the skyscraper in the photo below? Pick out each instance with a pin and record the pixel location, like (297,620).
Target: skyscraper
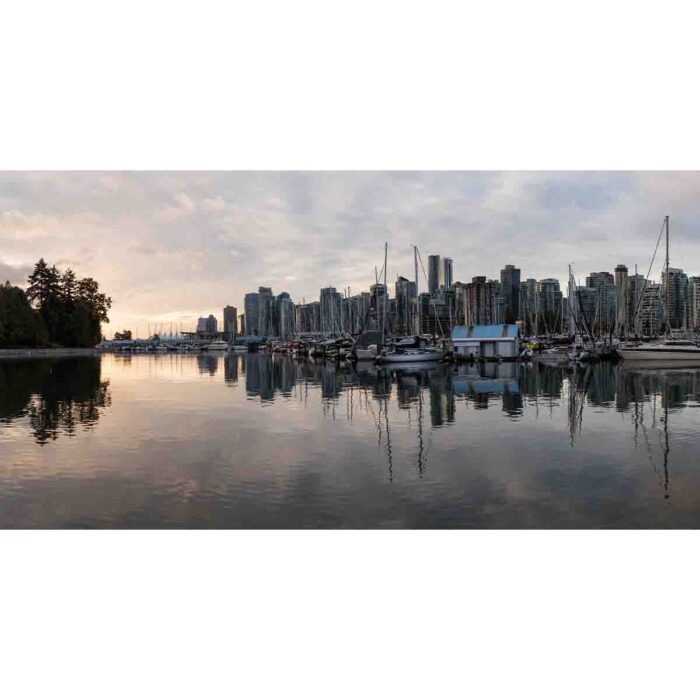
(621,317)
(252,313)
(230,323)
(405,293)
(266,312)
(603,318)
(286,317)
(211,324)
(330,310)
(510,290)
(446,273)
(676,305)
(433,274)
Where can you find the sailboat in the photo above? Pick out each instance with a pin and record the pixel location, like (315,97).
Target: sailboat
(420,354)
(668,349)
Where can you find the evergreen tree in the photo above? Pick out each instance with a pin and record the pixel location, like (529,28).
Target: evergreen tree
(20,325)
(70,310)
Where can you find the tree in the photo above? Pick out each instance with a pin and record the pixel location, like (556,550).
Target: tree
(123,335)
(20,325)
(72,309)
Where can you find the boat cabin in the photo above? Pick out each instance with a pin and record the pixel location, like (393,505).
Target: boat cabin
(489,342)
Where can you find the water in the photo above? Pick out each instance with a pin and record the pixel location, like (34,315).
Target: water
(268,442)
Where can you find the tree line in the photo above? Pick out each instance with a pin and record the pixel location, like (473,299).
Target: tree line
(56,309)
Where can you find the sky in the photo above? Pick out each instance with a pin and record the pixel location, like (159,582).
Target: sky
(169,247)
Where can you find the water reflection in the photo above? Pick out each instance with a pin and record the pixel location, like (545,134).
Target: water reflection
(55,395)
(260,440)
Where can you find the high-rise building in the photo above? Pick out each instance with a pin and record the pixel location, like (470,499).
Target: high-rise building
(604,317)
(308,317)
(266,312)
(446,273)
(485,303)
(230,329)
(252,313)
(528,302)
(286,317)
(550,305)
(433,274)
(694,303)
(330,310)
(378,297)
(405,295)
(201,325)
(675,297)
(211,324)
(635,290)
(621,316)
(510,290)
(651,320)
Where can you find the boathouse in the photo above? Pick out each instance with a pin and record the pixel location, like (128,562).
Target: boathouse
(491,342)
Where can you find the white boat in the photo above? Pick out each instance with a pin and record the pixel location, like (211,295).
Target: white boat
(370,353)
(217,346)
(240,348)
(418,355)
(666,351)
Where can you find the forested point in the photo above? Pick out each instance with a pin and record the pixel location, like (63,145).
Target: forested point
(56,310)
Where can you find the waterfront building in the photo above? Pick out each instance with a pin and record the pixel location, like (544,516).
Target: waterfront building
(635,290)
(266,312)
(211,325)
(621,300)
(446,273)
(308,317)
(378,297)
(405,296)
(675,297)
(330,310)
(604,316)
(551,304)
(510,291)
(487,341)
(584,307)
(251,305)
(286,318)
(529,306)
(230,329)
(201,325)
(695,303)
(652,321)
(433,274)
(484,302)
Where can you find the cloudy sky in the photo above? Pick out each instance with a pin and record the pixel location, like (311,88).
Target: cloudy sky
(172,246)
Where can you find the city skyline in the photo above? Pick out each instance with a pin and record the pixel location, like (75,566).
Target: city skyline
(173,247)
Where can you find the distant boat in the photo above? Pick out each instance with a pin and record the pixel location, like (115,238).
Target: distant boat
(217,346)
(407,356)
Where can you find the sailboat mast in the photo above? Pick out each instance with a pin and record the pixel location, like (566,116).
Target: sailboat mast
(415,265)
(668,284)
(386,293)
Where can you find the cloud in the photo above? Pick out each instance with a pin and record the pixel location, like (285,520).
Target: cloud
(163,242)
(14,274)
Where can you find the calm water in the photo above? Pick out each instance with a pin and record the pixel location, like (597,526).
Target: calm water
(261,442)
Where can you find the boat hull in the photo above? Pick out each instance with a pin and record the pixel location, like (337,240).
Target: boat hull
(408,357)
(665,355)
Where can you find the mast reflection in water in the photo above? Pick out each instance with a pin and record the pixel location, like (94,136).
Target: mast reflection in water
(258,441)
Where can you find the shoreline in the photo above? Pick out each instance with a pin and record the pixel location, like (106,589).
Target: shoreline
(18,353)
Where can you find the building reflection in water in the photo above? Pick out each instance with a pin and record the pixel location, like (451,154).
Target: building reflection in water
(57,396)
(434,392)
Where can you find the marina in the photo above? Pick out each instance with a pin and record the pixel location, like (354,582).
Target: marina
(268,440)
